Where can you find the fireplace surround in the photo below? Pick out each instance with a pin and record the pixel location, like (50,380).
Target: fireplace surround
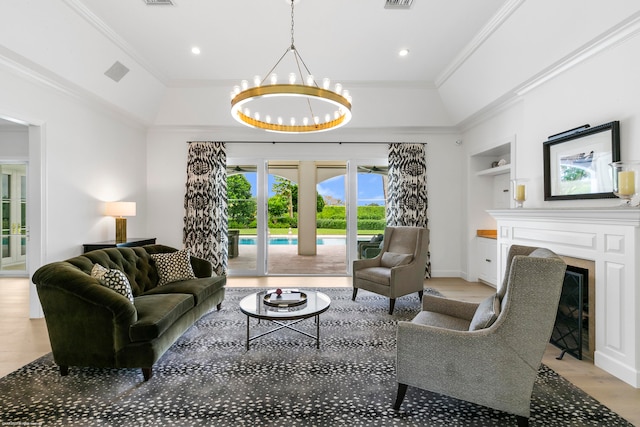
(610,237)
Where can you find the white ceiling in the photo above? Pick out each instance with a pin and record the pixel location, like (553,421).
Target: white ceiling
(346,40)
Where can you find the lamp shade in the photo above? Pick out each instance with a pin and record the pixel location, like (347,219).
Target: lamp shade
(120,209)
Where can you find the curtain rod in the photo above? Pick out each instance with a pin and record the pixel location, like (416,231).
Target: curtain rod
(317,142)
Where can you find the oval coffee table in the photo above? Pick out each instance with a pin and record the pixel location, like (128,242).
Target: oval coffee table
(285,315)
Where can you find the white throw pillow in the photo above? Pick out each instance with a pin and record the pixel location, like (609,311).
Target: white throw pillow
(173,266)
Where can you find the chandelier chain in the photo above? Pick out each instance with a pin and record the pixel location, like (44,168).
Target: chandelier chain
(292,44)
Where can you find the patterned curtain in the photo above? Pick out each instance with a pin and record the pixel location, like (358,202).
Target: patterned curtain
(205,203)
(407,203)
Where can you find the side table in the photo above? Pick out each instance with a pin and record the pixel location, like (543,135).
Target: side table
(134,241)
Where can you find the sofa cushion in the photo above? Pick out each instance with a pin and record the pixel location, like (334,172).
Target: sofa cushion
(113,279)
(486,313)
(392,259)
(156,313)
(201,289)
(173,266)
(379,275)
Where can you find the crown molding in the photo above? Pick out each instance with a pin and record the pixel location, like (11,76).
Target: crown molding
(618,34)
(24,68)
(105,30)
(496,22)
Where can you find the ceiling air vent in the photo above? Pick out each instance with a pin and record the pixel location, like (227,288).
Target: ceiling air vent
(159,2)
(116,72)
(398,4)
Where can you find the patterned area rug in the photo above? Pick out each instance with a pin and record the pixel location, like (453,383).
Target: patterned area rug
(208,379)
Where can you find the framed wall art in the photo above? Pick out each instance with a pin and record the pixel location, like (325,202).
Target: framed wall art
(576,162)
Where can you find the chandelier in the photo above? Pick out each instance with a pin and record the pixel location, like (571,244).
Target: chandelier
(291,107)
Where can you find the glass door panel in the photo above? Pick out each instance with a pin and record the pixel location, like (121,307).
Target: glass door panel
(282,218)
(371,201)
(242,205)
(331,216)
(13,211)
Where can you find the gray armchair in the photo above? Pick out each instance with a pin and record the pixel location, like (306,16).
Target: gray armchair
(487,353)
(398,269)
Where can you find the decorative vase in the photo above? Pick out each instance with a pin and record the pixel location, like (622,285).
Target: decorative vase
(519,191)
(626,181)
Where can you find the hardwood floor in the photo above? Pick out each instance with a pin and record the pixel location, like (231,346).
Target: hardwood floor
(24,340)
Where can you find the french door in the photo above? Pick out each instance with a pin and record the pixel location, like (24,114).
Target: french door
(13,211)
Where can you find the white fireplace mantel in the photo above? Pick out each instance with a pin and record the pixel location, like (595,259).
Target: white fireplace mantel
(611,238)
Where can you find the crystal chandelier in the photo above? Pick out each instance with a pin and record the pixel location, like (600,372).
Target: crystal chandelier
(291,107)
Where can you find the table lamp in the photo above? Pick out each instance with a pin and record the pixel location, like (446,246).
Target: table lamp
(119,210)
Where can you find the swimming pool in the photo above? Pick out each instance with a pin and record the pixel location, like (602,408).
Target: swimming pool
(294,240)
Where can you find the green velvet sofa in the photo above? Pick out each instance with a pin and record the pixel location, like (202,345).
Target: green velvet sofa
(90,324)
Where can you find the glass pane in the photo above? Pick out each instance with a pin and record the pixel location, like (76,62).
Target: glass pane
(372,200)
(6,248)
(6,186)
(6,217)
(331,217)
(282,219)
(23,188)
(23,217)
(23,246)
(242,217)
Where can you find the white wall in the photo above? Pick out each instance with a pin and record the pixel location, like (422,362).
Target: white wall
(540,36)
(89,155)
(14,143)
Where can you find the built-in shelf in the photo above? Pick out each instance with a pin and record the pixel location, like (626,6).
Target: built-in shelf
(498,170)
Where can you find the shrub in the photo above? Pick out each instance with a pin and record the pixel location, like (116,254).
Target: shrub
(332,212)
(371,212)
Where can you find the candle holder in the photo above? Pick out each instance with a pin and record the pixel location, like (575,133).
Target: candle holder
(519,191)
(626,181)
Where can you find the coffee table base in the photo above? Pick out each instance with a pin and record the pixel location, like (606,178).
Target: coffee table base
(288,325)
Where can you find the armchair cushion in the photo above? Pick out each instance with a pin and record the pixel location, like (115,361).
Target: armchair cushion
(486,313)
(440,320)
(379,275)
(392,259)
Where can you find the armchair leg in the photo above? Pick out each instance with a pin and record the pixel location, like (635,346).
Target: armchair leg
(522,421)
(402,390)
(355,292)
(392,304)
(219,307)
(64,371)
(420,293)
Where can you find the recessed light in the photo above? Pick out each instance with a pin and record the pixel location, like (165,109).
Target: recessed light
(195,50)
(403,52)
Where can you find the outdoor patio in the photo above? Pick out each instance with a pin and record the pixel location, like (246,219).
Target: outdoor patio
(284,259)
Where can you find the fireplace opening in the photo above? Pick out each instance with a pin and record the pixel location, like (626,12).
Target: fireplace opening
(571,332)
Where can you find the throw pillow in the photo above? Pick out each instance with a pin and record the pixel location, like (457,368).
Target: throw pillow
(392,259)
(113,279)
(486,313)
(173,266)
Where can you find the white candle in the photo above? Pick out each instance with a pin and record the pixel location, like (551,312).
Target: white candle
(520,193)
(626,183)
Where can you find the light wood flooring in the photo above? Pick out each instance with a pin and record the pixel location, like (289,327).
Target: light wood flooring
(23,340)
